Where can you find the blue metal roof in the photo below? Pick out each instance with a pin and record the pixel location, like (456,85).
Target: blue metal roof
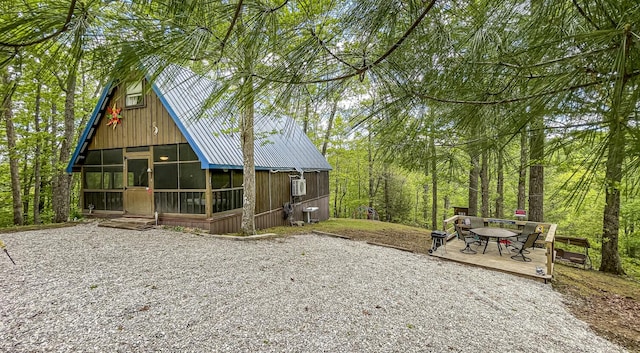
(280,144)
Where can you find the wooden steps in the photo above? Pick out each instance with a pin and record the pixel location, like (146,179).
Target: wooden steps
(129,223)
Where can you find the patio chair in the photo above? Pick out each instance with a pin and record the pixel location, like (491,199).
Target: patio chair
(529,227)
(468,240)
(521,247)
(476,222)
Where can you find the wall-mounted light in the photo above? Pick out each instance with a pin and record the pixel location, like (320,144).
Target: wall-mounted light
(164,158)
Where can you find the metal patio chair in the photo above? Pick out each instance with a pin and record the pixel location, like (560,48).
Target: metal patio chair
(521,247)
(468,240)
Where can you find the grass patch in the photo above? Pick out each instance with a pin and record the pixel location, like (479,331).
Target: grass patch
(396,235)
(15,229)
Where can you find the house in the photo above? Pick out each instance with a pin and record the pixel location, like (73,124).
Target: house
(145,152)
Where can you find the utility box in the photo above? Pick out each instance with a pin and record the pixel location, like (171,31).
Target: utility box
(298,187)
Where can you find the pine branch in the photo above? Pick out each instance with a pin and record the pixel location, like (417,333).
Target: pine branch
(236,16)
(584,14)
(322,44)
(360,71)
(63,29)
(509,100)
(278,7)
(9,58)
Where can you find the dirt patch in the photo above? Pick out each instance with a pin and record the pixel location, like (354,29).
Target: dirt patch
(416,241)
(609,304)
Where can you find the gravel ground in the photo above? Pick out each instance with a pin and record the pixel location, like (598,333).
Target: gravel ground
(91,289)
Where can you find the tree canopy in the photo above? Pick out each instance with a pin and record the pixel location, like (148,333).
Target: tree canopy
(443,88)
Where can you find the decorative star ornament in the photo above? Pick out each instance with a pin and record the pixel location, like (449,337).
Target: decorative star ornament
(116,118)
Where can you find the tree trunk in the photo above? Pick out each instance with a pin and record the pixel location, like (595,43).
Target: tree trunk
(372,191)
(387,215)
(536,171)
(434,184)
(342,207)
(62,180)
(611,262)
(248,147)
(305,119)
(522,178)
(474,173)
(7,112)
(37,169)
(337,190)
(484,179)
(611,223)
(27,180)
(53,136)
(425,201)
(51,140)
(500,186)
(327,135)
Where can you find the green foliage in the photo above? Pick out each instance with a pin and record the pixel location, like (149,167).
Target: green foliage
(468,75)
(76,214)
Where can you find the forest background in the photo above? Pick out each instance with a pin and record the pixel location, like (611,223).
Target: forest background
(419,106)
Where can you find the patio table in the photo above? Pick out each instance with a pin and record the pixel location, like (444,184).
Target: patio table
(493,232)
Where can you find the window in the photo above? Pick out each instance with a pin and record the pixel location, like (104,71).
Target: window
(180,181)
(238,179)
(227,190)
(103,170)
(134,96)
(93,158)
(93,178)
(112,177)
(186,153)
(220,179)
(102,178)
(192,176)
(225,178)
(137,174)
(166,153)
(166,176)
(112,157)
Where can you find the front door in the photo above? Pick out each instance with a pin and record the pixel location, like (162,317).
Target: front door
(138,195)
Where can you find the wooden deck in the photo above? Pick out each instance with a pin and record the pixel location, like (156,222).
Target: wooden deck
(493,261)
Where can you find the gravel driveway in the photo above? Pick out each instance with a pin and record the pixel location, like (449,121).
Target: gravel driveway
(91,289)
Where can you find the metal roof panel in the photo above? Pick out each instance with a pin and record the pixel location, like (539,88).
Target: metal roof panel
(280,143)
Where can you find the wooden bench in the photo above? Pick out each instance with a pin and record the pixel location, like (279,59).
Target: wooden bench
(574,257)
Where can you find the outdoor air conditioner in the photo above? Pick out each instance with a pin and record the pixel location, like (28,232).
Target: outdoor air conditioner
(298,187)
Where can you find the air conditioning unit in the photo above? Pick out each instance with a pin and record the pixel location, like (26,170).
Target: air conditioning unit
(298,187)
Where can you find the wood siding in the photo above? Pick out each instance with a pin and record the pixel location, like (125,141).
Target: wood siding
(137,126)
(230,222)
(273,190)
(322,214)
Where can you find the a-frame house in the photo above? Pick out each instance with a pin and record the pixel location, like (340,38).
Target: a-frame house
(155,151)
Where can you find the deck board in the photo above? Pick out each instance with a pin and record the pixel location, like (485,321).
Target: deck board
(492,259)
